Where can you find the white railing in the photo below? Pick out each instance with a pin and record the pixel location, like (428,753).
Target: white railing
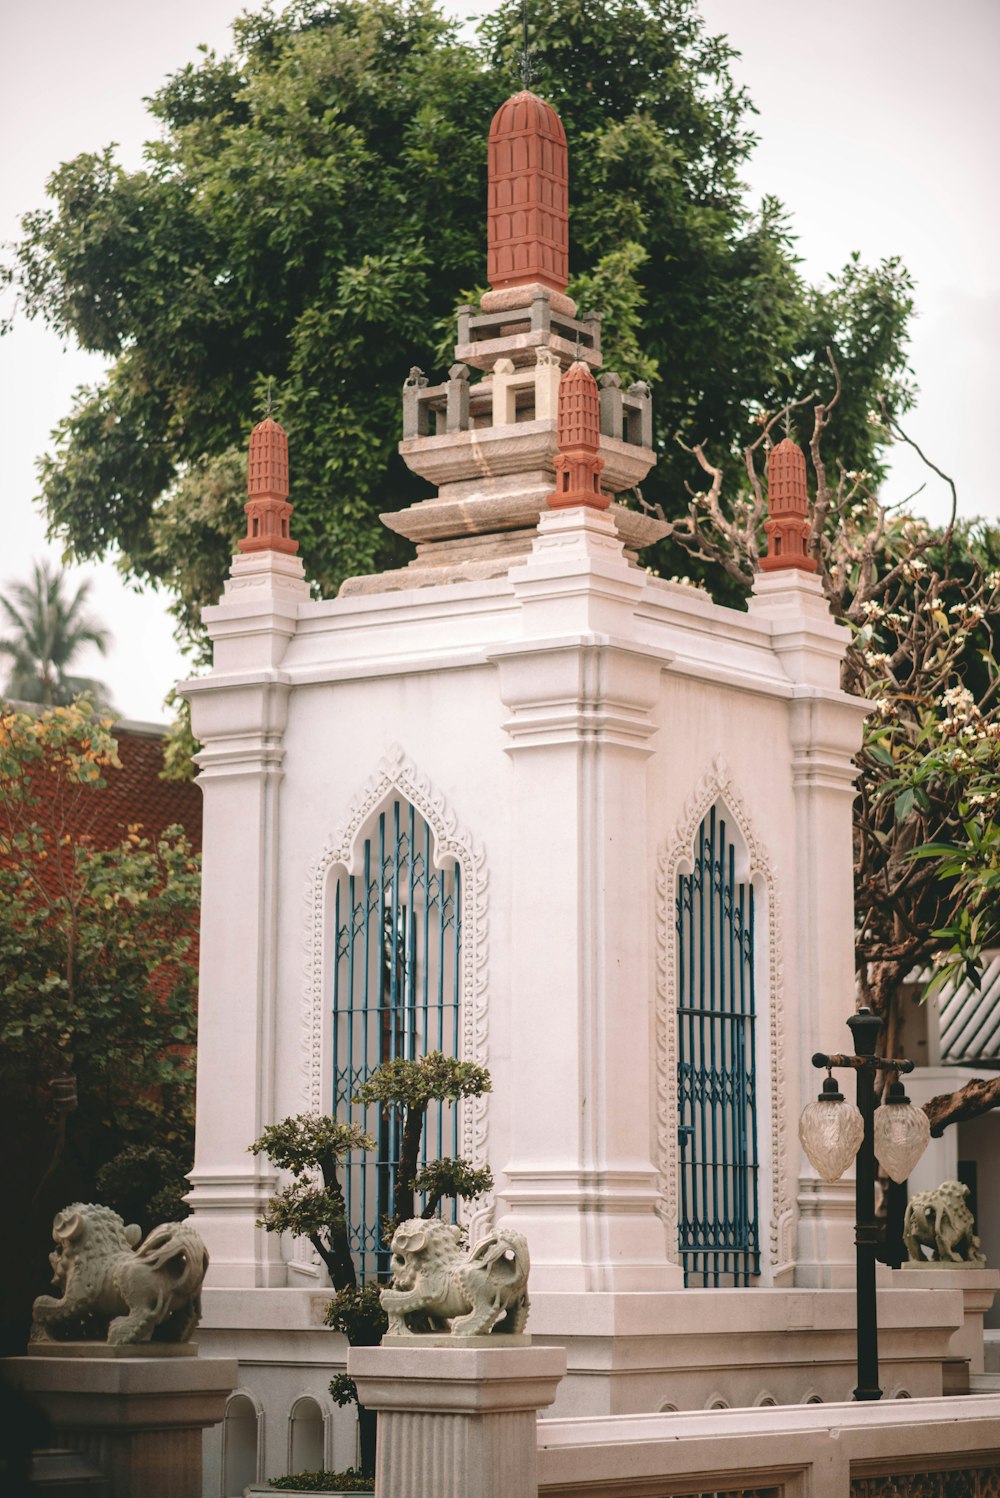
(887,1450)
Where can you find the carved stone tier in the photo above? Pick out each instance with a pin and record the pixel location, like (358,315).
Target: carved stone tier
(523,296)
(491,448)
(521,448)
(516,332)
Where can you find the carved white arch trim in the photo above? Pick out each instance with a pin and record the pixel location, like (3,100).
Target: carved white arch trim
(717,785)
(397,775)
(227,1430)
(324,1415)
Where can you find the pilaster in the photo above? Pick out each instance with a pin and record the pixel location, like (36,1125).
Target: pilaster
(239,713)
(825,726)
(580,1183)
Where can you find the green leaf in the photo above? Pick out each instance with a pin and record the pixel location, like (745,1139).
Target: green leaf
(903,804)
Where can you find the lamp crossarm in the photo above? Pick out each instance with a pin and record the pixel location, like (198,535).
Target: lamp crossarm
(861,1063)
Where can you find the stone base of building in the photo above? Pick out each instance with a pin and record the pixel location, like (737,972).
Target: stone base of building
(626,1353)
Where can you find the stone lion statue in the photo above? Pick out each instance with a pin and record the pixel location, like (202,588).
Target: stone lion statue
(110,1289)
(941,1219)
(437,1286)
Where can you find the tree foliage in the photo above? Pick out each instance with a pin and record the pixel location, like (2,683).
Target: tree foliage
(95,947)
(308,1145)
(412,1086)
(46,632)
(313,211)
(97,988)
(303,1145)
(923,607)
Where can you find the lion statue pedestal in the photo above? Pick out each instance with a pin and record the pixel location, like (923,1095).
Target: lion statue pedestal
(109,1361)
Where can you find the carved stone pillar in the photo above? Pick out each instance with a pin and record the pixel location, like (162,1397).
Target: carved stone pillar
(456,1423)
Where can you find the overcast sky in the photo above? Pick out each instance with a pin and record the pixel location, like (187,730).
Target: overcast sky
(879,124)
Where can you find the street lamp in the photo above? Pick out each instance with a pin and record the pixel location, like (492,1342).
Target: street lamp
(833,1132)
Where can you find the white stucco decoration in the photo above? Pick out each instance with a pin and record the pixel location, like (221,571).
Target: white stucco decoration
(717,785)
(397,775)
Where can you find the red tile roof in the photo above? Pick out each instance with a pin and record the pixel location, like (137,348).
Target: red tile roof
(135,793)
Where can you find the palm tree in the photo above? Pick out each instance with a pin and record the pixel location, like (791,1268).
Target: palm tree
(47,629)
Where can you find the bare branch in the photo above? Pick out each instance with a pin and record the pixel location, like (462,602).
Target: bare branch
(975,1098)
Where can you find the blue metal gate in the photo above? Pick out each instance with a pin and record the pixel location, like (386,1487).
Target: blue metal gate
(717,1143)
(395,993)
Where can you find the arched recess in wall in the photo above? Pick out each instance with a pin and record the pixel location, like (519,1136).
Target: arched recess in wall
(306,1436)
(397,949)
(241,1444)
(686,856)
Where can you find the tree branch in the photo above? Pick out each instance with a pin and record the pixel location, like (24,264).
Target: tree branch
(975,1098)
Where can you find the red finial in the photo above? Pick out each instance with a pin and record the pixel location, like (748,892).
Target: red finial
(578,468)
(528,213)
(787,525)
(268,509)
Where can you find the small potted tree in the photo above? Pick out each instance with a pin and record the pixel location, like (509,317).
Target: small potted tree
(308,1145)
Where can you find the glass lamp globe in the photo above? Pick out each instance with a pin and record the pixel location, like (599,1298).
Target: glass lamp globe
(831,1131)
(902,1133)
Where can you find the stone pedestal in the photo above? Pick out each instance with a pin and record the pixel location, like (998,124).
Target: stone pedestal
(140,1419)
(978,1287)
(456,1423)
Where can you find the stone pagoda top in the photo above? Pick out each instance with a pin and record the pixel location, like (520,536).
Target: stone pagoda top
(528,208)
(489,446)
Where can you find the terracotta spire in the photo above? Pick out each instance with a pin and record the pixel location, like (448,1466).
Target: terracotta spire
(578,468)
(787,525)
(267,509)
(528,209)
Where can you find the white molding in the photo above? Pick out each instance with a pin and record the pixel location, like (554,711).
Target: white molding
(718,784)
(397,775)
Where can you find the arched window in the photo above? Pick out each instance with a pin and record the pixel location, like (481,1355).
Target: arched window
(718,1235)
(396,987)
(305,1437)
(239,1445)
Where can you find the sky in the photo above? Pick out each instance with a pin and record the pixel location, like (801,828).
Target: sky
(879,126)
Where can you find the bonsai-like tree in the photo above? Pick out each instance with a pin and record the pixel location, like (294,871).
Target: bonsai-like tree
(412,1085)
(308,1145)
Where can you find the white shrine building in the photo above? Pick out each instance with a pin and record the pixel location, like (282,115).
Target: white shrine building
(523,802)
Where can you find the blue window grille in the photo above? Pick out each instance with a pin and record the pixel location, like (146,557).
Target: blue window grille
(717,1144)
(395,994)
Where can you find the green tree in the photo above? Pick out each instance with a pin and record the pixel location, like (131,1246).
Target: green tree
(307,1146)
(49,631)
(97,987)
(313,210)
(923,606)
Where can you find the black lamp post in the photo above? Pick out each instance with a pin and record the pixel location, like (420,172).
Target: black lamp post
(865,1028)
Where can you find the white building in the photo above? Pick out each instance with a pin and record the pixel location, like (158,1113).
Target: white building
(523,802)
